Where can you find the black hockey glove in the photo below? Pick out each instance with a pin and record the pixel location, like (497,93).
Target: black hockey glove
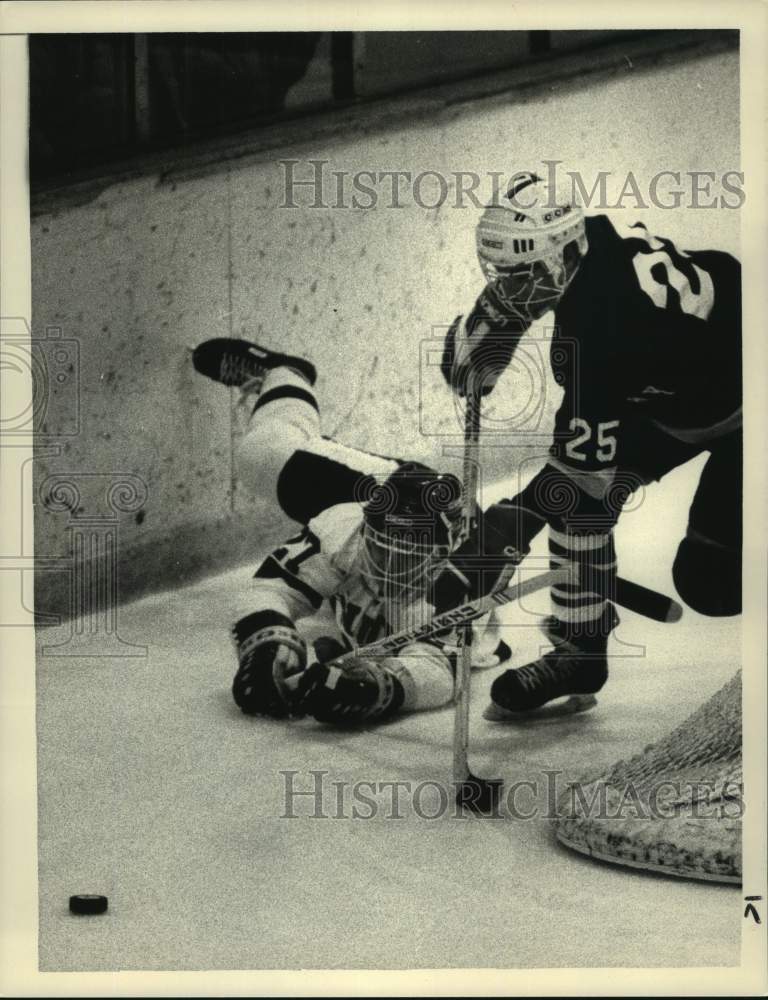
(486,561)
(361,690)
(271,655)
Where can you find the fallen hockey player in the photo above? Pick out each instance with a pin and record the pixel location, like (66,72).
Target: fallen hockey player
(376,545)
(648,387)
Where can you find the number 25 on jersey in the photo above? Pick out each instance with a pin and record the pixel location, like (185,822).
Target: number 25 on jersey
(592,441)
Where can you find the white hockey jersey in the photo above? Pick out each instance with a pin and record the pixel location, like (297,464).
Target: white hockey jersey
(323,564)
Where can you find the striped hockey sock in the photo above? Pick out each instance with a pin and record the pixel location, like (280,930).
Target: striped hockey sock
(583,611)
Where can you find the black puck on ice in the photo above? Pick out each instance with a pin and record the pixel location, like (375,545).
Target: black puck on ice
(86,904)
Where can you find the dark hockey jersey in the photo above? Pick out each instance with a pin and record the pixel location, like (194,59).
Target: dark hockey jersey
(645,332)
(646,329)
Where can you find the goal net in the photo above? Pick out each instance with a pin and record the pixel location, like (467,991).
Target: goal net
(674,808)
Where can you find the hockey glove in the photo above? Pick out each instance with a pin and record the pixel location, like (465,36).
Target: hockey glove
(271,656)
(482,342)
(360,690)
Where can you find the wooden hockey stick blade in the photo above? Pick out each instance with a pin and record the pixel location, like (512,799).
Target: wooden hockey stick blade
(479,795)
(647,602)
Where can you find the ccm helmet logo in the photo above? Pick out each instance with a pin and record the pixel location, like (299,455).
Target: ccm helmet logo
(493,244)
(557,213)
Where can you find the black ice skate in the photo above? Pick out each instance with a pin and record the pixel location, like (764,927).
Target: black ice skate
(525,693)
(239,362)
(575,670)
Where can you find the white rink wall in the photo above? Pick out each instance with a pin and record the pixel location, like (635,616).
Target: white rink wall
(151,266)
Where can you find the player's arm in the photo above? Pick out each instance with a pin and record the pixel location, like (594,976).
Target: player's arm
(365,687)
(483,341)
(297,576)
(290,584)
(486,561)
(371,689)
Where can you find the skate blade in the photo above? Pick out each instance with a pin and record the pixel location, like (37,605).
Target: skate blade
(573,705)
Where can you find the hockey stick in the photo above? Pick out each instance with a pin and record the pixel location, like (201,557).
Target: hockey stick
(478,794)
(649,602)
(463,615)
(628,594)
(644,601)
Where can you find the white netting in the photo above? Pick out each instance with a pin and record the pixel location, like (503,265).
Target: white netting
(676,807)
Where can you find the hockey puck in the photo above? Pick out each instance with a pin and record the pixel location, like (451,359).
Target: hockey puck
(86,904)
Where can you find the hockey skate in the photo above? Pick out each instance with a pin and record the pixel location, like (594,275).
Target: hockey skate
(537,691)
(241,363)
(563,682)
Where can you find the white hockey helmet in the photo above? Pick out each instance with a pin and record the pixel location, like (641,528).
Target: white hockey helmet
(529,245)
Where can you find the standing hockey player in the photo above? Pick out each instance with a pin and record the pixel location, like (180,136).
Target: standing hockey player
(647,347)
(375,548)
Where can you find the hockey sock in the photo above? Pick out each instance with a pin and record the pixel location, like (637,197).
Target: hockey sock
(293,391)
(582,610)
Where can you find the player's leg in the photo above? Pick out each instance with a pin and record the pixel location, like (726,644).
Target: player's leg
(582,618)
(283,456)
(580,505)
(583,615)
(707,567)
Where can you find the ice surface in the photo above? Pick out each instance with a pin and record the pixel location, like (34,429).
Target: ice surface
(156,791)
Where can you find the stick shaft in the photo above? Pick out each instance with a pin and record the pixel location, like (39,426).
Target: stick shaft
(464,614)
(462,688)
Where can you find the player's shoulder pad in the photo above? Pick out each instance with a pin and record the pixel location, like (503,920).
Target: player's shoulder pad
(625,231)
(616,224)
(336,527)
(599,229)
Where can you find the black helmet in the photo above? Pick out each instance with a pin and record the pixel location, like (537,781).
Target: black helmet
(412,521)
